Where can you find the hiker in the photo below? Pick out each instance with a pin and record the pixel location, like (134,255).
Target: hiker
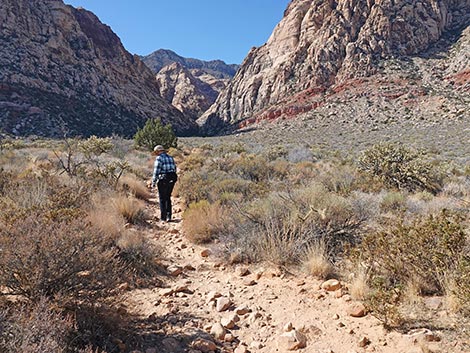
(164,175)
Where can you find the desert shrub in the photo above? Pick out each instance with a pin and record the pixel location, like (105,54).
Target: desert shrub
(330,216)
(399,167)
(5,180)
(85,158)
(393,201)
(252,167)
(276,236)
(359,286)
(101,328)
(139,255)
(282,226)
(229,148)
(194,186)
(95,146)
(65,261)
(34,329)
(425,251)
(276,152)
(247,189)
(109,172)
(103,216)
(458,285)
(302,173)
(384,302)
(193,161)
(299,154)
(203,221)
(340,179)
(52,196)
(155,133)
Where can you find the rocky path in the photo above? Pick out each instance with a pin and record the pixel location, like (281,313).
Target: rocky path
(205,305)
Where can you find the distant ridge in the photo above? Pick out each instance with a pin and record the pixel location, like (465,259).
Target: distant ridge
(163,57)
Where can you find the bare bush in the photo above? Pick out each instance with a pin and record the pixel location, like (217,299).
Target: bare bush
(139,255)
(35,329)
(65,261)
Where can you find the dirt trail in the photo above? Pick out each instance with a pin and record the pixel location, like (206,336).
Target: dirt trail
(191,303)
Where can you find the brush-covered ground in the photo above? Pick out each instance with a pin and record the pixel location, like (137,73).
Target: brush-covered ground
(278,243)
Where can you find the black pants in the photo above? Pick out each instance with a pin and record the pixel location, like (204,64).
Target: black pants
(165,188)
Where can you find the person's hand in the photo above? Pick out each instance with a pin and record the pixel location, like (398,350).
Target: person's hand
(149,184)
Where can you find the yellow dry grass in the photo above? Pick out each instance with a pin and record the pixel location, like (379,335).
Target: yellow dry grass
(316,261)
(358,288)
(135,186)
(130,208)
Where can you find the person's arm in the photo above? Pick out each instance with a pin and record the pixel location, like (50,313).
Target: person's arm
(156,171)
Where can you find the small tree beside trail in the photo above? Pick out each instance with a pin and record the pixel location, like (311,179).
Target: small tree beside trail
(155,133)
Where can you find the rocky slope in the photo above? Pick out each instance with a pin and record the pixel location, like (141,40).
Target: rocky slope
(381,49)
(191,85)
(61,69)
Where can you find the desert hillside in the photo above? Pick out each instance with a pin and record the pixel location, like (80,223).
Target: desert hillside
(62,70)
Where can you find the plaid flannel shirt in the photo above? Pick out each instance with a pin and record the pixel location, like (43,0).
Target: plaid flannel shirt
(163,164)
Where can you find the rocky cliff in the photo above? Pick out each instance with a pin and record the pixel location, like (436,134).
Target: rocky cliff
(323,47)
(61,69)
(191,85)
(184,91)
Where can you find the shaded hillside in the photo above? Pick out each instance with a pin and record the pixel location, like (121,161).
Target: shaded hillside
(322,50)
(61,69)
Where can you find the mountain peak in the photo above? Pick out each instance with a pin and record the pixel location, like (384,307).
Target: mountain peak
(320,45)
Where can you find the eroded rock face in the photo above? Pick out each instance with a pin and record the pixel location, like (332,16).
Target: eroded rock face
(187,93)
(320,44)
(61,69)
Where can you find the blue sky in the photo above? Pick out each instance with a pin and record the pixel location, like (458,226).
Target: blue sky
(201,29)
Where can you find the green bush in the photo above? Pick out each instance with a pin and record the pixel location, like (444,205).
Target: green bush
(155,133)
(399,167)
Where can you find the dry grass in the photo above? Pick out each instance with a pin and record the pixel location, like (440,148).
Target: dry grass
(105,217)
(412,292)
(316,261)
(135,186)
(359,288)
(131,209)
(203,221)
